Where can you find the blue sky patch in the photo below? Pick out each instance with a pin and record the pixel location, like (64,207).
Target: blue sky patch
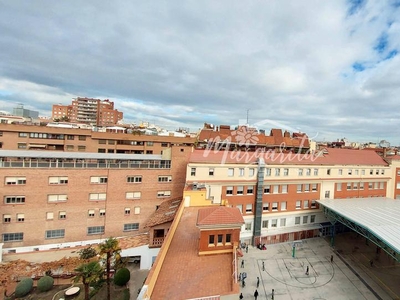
(391,54)
(355,6)
(358,67)
(382,43)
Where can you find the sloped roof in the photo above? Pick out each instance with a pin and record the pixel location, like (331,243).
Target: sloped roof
(165,213)
(328,156)
(219,215)
(133,241)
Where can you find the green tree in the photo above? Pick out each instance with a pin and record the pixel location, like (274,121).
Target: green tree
(88,274)
(110,249)
(87,253)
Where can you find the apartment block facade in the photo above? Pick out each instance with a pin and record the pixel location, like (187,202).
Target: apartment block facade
(55,198)
(34,137)
(88,111)
(277,194)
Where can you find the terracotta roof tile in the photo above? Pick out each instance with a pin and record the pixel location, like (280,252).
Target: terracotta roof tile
(220,215)
(165,213)
(133,241)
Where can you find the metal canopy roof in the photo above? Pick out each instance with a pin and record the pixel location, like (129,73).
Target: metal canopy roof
(376,218)
(77,155)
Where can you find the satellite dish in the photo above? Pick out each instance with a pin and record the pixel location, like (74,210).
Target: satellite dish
(384,144)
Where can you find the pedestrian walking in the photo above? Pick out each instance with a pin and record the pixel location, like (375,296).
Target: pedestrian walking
(263,266)
(258,282)
(240,276)
(331,258)
(307,271)
(241,296)
(255,295)
(242,263)
(243,283)
(247,249)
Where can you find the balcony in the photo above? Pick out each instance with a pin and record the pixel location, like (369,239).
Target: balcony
(157,242)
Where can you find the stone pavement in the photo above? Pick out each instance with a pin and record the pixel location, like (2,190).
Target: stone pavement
(349,276)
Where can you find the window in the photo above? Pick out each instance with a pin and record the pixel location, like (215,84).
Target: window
(313,204)
(14,199)
(312,219)
(230,172)
(328,172)
(81,148)
(283,222)
(62,215)
(133,195)
(370,185)
(362,172)
(268,172)
(307,187)
(131,226)
(251,172)
(102,141)
(297,220)
(164,194)
(149,143)
(22,134)
(355,186)
(276,189)
(283,205)
(239,190)
(285,172)
(15,180)
(70,147)
(82,137)
(265,224)
(164,178)
(305,203)
(305,219)
(298,204)
(91,213)
(49,215)
(137,210)
(381,185)
(348,186)
(127,211)
(55,234)
(250,190)
(274,206)
(164,144)
(192,171)
(327,194)
(274,222)
(211,239)
(371,172)
(300,172)
(314,187)
(229,190)
(316,172)
(241,172)
(267,189)
(265,206)
(98,179)
(134,179)
(13,237)
(240,207)
(356,172)
(228,238)
(57,198)
(95,230)
(299,188)
(249,208)
(6,218)
(308,172)
(58,179)
(247,226)
(219,239)
(211,172)
(21,145)
(350,172)
(377,172)
(340,171)
(97,196)
(338,186)
(361,185)
(277,172)
(376,185)
(382,172)
(284,188)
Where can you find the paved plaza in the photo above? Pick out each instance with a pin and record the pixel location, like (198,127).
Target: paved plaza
(349,276)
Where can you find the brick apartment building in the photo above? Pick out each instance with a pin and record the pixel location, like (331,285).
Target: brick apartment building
(88,111)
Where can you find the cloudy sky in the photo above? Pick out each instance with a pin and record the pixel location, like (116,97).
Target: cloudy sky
(327,68)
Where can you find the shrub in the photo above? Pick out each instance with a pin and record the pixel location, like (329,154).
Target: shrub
(122,276)
(23,287)
(45,283)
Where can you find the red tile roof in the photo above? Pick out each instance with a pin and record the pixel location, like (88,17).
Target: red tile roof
(165,213)
(220,215)
(184,274)
(328,156)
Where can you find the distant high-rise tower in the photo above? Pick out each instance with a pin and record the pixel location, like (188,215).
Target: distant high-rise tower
(88,111)
(26,113)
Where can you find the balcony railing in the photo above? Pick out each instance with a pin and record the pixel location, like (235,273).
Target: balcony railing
(157,242)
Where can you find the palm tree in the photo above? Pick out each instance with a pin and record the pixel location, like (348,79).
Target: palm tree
(110,248)
(88,273)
